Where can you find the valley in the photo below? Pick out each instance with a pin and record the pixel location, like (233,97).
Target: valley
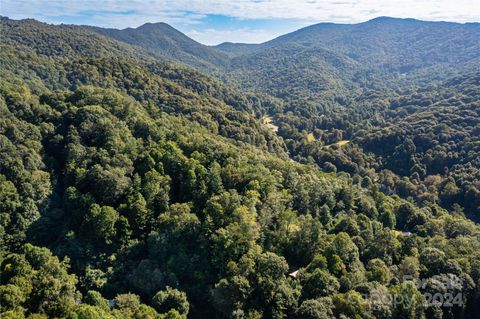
(146,175)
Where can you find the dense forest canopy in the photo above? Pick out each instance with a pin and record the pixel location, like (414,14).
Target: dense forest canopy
(410,84)
(133,186)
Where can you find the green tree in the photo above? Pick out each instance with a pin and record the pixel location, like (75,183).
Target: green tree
(94,298)
(409,303)
(43,280)
(99,224)
(169,299)
(315,309)
(319,283)
(378,271)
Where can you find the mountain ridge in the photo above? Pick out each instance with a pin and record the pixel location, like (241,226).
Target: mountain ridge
(363,42)
(164,40)
(379,19)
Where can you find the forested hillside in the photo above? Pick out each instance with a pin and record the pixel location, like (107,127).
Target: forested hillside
(163,40)
(394,101)
(377,53)
(421,143)
(134,188)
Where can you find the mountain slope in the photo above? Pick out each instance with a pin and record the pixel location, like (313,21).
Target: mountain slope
(163,40)
(379,52)
(398,44)
(291,70)
(78,56)
(402,45)
(324,58)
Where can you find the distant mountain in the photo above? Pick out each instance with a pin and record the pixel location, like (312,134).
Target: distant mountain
(386,40)
(328,56)
(402,44)
(376,52)
(235,49)
(163,40)
(288,70)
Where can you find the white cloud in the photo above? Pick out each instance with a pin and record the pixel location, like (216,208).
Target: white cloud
(355,10)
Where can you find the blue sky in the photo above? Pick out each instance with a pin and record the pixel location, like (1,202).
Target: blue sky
(252,21)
